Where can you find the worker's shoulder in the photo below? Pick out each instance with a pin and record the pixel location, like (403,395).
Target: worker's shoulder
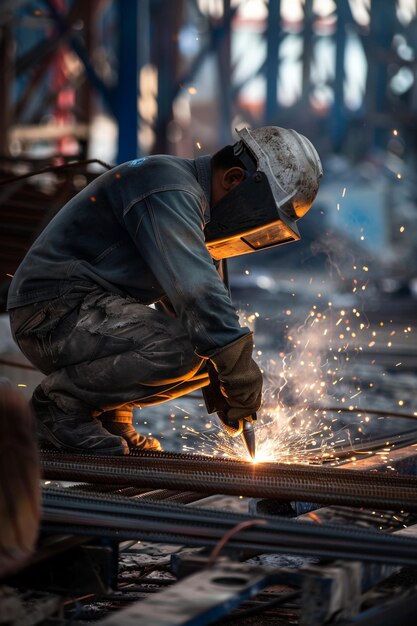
(161,172)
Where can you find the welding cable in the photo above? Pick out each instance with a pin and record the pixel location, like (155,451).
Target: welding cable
(231,533)
(261,608)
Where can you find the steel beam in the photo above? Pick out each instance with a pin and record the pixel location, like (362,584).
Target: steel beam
(199,599)
(273,36)
(126,101)
(338,110)
(383,22)
(6,81)
(166,28)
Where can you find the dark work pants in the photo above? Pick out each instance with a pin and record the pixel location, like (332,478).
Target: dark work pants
(101,351)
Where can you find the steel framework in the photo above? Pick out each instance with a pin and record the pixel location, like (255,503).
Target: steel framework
(109,42)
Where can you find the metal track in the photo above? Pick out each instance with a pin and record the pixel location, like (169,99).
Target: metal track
(213,476)
(66,511)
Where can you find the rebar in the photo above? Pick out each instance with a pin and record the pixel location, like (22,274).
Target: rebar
(326,485)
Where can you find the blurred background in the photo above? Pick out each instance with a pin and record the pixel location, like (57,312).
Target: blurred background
(86,84)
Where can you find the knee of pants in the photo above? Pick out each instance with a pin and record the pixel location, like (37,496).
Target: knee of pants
(190,365)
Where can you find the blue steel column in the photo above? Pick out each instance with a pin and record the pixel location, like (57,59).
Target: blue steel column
(225,75)
(338,112)
(383,25)
(166,23)
(273,35)
(307,56)
(126,109)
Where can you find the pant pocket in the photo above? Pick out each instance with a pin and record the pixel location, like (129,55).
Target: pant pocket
(24,321)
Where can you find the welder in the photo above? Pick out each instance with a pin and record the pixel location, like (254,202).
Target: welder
(121,301)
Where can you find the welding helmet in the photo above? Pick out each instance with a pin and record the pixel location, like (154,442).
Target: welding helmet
(282,179)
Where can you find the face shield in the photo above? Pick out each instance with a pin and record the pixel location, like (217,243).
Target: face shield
(282,174)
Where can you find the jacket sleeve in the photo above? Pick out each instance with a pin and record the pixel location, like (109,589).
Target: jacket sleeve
(168,231)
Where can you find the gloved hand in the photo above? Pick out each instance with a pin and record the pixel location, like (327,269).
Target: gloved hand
(240,382)
(234,427)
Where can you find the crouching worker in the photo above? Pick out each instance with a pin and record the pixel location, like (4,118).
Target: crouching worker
(153,231)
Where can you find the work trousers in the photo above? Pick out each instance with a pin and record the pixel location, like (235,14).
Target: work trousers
(101,351)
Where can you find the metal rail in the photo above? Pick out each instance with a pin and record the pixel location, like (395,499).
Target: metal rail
(106,515)
(213,476)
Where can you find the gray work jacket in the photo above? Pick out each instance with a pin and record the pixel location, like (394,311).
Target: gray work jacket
(137,230)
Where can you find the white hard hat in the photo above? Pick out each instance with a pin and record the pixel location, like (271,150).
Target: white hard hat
(291,164)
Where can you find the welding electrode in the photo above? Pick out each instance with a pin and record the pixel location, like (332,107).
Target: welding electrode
(248,434)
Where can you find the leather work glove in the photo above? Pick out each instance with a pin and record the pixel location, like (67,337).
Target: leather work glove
(235,389)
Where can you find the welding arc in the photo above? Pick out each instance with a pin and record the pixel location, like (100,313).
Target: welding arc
(104,515)
(213,476)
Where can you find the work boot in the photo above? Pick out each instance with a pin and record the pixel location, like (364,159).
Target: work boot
(73,433)
(120,422)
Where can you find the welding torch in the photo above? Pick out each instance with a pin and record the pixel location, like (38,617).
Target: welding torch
(248,434)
